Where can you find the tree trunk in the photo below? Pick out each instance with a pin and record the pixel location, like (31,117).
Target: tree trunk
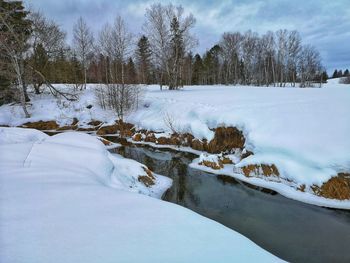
(23,92)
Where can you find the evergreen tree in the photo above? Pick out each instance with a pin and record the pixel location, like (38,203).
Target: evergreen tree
(197,70)
(187,70)
(346,73)
(131,72)
(211,63)
(143,60)
(39,61)
(340,74)
(324,76)
(76,72)
(15,30)
(335,74)
(177,54)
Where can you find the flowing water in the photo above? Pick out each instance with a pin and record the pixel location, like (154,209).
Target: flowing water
(292,230)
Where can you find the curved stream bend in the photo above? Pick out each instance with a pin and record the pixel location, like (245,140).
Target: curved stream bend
(292,230)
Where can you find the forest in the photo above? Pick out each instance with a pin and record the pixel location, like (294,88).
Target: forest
(35,51)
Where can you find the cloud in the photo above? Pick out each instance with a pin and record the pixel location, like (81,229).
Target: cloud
(322,23)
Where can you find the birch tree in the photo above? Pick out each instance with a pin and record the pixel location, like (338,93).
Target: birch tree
(83,44)
(157,27)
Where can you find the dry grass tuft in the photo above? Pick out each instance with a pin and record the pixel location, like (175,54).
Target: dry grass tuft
(337,187)
(260,169)
(213,165)
(149,179)
(41,125)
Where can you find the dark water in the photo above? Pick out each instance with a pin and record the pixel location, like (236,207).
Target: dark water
(292,230)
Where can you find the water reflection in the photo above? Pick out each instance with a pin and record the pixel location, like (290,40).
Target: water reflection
(289,229)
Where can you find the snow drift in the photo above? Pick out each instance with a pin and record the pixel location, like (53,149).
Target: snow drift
(66,199)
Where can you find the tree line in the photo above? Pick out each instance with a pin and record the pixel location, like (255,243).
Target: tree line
(34,51)
(340,74)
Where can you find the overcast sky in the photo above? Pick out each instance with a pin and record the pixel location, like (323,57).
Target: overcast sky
(324,24)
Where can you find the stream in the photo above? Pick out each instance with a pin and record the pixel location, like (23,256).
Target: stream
(291,230)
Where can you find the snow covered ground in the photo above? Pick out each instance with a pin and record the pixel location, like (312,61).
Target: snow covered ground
(304,132)
(66,199)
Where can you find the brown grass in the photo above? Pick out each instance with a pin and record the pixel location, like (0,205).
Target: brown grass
(105,141)
(301,188)
(213,165)
(137,137)
(67,127)
(147,180)
(163,140)
(226,160)
(256,169)
(125,129)
(149,172)
(226,139)
(337,187)
(87,129)
(110,129)
(150,137)
(197,145)
(42,125)
(95,123)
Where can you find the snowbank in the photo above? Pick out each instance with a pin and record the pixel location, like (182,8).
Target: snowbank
(19,135)
(63,200)
(304,132)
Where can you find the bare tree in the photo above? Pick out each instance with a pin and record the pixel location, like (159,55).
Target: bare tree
(116,43)
(83,43)
(294,48)
(230,44)
(47,33)
(122,42)
(248,55)
(309,66)
(118,97)
(158,30)
(47,40)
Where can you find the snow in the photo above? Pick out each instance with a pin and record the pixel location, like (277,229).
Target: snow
(45,107)
(284,189)
(208,158)
(61,202)
(304,132)
(19,135)
(336,83)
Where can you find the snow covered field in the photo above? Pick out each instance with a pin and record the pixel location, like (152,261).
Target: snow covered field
(304,132)
(66,199)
